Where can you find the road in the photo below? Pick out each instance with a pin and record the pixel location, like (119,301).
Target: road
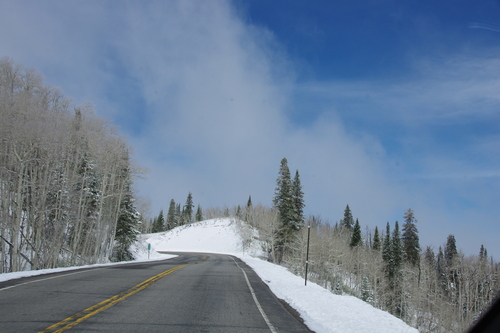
(193,292)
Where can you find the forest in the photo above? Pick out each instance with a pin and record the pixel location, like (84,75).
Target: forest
(65,179)
(433,290)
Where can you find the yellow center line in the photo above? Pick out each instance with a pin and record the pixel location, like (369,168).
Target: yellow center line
(95,309)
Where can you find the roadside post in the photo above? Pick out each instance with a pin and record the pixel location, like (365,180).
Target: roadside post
(149,249)
(307,253)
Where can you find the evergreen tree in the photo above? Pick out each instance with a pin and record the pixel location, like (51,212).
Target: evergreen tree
(284,202)
(199,214)
(283,199)
(483,253)
(348,220)
(356,235)
(411,245)
(397,248)
(376,240)
(171,218)
(248,209)
(450,251)
(397,307)
(188,209)
(392,254)
(386,249)
(126,226)
(178,215)
(441,269)
(298,203)
(159,223)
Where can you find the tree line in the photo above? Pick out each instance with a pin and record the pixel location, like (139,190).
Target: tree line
(65,179)
(439,290)
(176,216)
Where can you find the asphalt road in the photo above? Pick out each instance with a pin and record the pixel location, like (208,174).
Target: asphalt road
(190,293)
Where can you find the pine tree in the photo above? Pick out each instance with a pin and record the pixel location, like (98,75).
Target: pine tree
(376,240)
(171,218)
(178,215)
(187,212)
(397,248)
(284,202)
(356,235)
(450,251)
(126,226)
(348,220)
(199,214)
(411,245)
(441,269)
(248,210)
(283,199)
(159,223)
(483,253)
(392,254)
(386,249)
(298,203)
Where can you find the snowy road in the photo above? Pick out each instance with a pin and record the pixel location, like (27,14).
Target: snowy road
(189,293)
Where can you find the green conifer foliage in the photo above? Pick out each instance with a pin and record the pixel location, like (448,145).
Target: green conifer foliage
(126,226)
(411,245)
(178,215)
(171,216)
(159,223)
(298,203)
(376,240)
(386,250)
(356,235)
(187,212)
(288,200)
(199,214)
(348,220)
(283,199)
(450,251)
(397,247)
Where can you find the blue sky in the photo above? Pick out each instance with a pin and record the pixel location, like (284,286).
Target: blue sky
(382,105)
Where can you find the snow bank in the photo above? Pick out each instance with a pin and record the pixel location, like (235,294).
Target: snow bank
(323,311)
(214,236)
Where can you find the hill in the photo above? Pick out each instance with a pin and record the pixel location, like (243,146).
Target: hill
(321,310)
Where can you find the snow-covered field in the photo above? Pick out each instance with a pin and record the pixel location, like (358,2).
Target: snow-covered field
(321,310)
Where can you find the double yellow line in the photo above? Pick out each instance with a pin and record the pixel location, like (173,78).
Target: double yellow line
(95,309)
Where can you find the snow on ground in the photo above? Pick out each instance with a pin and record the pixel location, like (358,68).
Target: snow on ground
(139,249)
(215,236)
(321,310)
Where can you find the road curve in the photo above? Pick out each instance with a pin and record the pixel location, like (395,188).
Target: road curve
(194,292)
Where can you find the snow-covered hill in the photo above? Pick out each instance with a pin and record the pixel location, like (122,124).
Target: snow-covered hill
(321,310)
